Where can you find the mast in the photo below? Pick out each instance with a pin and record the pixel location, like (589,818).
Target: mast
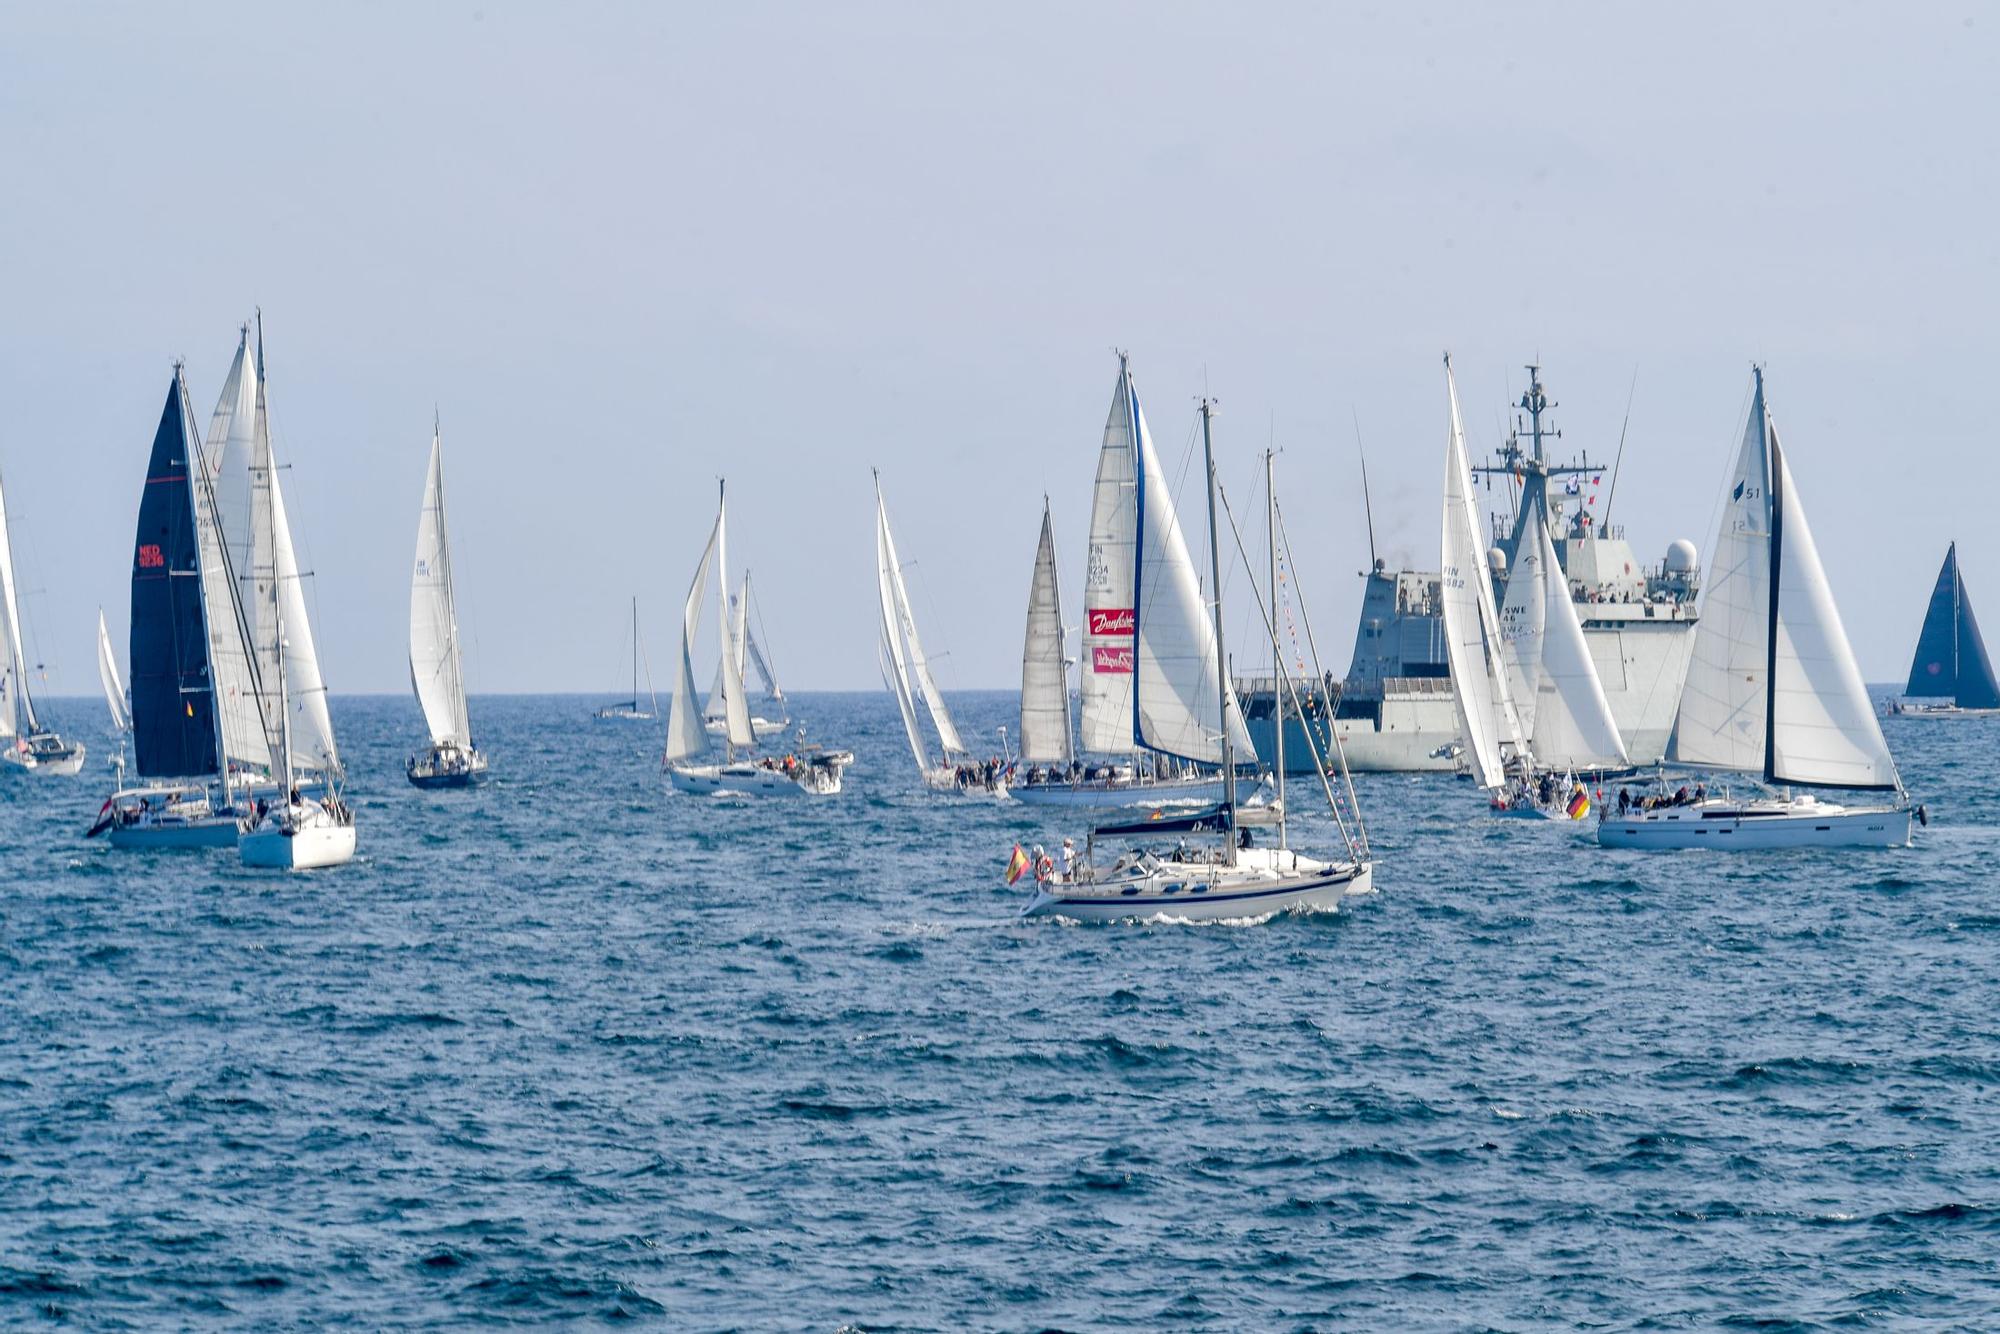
(1278,682)
(197,474)
(635,651)
(1774,500)
(1221,657)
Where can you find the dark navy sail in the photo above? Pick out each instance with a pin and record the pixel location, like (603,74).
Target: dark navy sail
(173,702)
(1951,661)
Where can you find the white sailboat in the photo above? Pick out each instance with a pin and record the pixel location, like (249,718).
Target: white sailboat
(194,709)
(1183,699)
(437,670)
(297,828)
(1125,769)
(806,772)
(749,656)
(907,673)
(26,744)
(1773,688)
(628,709)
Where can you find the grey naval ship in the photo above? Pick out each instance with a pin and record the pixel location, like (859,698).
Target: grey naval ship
(1395,711)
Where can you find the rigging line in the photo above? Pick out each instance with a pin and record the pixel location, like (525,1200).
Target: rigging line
(1319,763)
(1319,668)
(1367,504)
(1612,491)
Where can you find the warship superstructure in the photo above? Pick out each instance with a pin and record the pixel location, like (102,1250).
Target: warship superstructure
(1395,710)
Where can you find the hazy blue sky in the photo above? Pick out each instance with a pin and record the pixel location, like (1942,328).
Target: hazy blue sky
(626,248)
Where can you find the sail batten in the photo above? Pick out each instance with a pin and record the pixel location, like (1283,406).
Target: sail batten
(1046,736)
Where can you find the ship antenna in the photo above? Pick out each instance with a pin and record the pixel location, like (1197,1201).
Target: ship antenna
(1367,505)
(1612,492)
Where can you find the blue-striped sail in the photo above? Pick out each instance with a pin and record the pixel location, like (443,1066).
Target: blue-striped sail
(173,701)
(1951,661)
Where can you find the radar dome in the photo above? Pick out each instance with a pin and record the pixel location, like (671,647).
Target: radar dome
(1496,560)
(1681,557)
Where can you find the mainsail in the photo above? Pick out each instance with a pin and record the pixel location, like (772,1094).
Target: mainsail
(107,675)
(1773,684)
(174,679)
(17,705)
(1472,626)
(1046,735)
(903,650)
(1951,661)
(1105,677)
(221,504)
(687,738)
(735,709)
(436,670)
(1178,704)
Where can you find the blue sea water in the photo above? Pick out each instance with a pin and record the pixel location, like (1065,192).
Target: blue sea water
(572,1048)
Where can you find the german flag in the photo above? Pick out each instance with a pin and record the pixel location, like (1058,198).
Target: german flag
(1017,865)
(1579,804)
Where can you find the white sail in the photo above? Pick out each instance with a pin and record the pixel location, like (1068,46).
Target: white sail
(1472,631)
(107,673)
(1045,725)
(222,533)
(900,624)
(17,707)
(1572,726)
(756,657)
(1722,714)
(436,668)
(895,667)
(736,709)
(1823,728)
(1105,676)
(1524,615)
(687,738)
(1177,700)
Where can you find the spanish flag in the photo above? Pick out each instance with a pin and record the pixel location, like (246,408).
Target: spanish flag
(1579,804)
(1017,865)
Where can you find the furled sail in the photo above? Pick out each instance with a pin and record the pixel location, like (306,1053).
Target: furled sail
(1473,642)
(687,738)
(107,675)
(17,705)
(1045,724)
(903,647)
(436,669)
(1951,661)
(1177,704)
(1105,676)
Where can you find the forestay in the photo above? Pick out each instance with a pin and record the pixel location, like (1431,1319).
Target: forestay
(1045,721)
(1177,696)
(436,667)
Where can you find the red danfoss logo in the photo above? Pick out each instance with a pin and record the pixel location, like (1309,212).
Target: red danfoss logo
(1112,621)
(1111,661)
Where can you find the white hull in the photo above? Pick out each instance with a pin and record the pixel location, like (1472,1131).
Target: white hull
(215,831)
(65,765)
(1737,825)
(758,726)
(317,838)
(944,782)
(1271,882)
(1939,711)
(1120,794)
(755,780)
(623,715)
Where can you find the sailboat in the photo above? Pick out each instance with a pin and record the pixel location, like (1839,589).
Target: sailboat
(749,656)
(1773,688)
(1127,770)
(1185,705)
(907,673)
(1048,734)
(115,697)
(437,670)
(1950,676)
(306,823)
(804,772)
(193,701)
(25,743)
(629,708)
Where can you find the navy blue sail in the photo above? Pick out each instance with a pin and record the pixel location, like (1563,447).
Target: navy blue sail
(173,702)
(1951,661)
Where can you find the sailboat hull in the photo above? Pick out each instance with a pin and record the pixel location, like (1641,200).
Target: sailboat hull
(213,831)
(1749,826)
(1204,894)
(312,837)
(755,780)
(65,762)
(1119,793)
